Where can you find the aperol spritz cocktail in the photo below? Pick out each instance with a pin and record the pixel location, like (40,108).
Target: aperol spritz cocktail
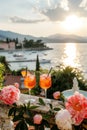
(45,82)
(30,81)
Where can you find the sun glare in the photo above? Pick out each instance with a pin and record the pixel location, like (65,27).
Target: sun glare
(72,23)
(70,55)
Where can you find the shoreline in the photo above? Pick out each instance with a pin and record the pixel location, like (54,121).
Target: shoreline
(28,49)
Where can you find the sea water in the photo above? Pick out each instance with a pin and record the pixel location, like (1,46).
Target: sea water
(72,54)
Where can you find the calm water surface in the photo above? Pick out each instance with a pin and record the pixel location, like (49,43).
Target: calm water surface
(73,54)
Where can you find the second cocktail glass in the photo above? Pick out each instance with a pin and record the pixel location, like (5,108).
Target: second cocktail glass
(45,82)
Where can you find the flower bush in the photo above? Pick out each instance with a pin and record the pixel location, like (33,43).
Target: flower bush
(74,114)
(62,79)
(9,94)
(77,107)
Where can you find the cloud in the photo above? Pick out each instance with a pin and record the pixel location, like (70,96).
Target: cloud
(54,10)
(42,10)
(84,4)
(64,4)
(59,9)
(16,19)
(57,14)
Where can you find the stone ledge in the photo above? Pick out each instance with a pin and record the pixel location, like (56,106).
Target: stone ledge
(5,121)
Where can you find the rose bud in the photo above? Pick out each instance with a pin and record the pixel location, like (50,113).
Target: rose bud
(56,95)
(16,85)
(37,119)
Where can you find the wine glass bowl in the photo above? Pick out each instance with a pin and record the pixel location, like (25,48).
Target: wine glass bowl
(30,81)
(45,82)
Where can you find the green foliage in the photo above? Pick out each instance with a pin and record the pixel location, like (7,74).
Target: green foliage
(24,114)
(21,125)
(62,79)
(41,102)
(2,71)
(5,63)
(7,40)
(33,44)
(54,128)
(16,73)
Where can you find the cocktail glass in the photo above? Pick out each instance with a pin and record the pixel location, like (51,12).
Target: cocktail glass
(45,82)
(30,82)
(24,73)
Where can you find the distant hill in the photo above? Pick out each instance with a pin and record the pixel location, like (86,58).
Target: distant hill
(9,34)
(62,38)
(56,38)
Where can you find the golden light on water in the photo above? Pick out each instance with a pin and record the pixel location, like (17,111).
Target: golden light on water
(69,58)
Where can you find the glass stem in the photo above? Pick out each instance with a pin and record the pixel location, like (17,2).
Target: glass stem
(45,93)
(29,91)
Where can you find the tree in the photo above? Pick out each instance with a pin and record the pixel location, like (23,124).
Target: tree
(33,44)
(16,42)
(7,40)
(37,64)
(37,88)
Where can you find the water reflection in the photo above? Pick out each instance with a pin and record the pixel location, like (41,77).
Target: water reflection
(70,54)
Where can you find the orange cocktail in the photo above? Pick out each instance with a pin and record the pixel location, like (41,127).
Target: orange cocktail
(30,81)
(45,82)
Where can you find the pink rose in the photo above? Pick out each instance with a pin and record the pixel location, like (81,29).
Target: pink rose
(37,119)
(10,94)
(56,95)
(77,106)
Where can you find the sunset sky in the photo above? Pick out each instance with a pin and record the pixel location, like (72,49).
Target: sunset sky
(44,17)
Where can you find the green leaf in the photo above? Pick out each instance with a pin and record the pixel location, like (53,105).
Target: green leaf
(18,126)
(54,127)
(29,113)
(41,102)
(11,111)
(28,104)
(36,127)
(24,126)
(14,104)
(17,118)
(51,106)
(41,127)
(46,116)
(56,109)
(21,126)
(29,121)
(46,123)
(33,107)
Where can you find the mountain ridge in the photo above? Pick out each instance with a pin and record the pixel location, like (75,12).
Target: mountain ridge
(55,38)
